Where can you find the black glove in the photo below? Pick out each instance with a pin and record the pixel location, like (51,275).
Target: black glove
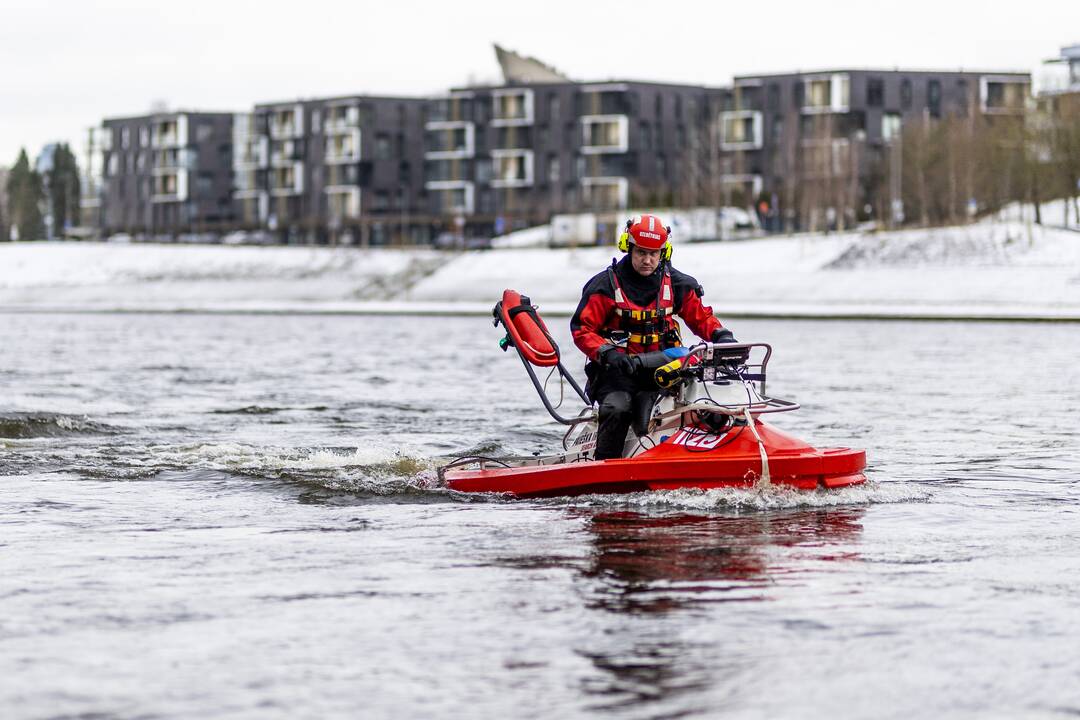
(723,335)
(611,358)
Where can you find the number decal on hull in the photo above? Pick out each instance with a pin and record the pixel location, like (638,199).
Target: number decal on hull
(696,439)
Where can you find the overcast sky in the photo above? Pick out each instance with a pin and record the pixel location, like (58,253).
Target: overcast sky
(66,64)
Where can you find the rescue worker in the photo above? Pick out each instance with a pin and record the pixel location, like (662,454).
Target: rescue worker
(636,300)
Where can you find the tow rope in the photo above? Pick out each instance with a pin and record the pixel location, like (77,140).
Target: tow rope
(766,478)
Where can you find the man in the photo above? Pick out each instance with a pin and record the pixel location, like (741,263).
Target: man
(636,300)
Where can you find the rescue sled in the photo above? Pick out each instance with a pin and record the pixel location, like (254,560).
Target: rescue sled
(705,430)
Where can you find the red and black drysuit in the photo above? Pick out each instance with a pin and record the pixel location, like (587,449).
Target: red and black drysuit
(620,303)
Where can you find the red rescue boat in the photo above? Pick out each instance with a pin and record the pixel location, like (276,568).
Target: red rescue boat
(704,431)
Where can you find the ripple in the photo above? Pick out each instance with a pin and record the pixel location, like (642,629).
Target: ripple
(24,425)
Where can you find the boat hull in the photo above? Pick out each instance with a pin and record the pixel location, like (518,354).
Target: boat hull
(686,459)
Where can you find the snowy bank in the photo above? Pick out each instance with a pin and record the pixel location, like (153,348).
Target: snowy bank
(993,269)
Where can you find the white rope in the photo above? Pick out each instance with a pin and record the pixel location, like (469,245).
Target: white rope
(766,478)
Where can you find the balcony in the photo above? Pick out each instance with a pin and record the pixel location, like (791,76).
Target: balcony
(456,108)
(449,169)
(343,203)
(170,187)
(283,153)
(512,138)
(286,124)
(605,134)
(606,99)
(172,159)
(512,107)
(250,148)
(606,166)
(343,147)
(342,175)
(826,93)
(341,119)
(449,139)
(740,130)
(253,209)
(453,197)
(599,194)
(287,180)
(169,132)
(512,168)
(1003,94)
(251,153)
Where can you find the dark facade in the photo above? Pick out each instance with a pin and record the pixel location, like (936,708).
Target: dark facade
(485,160)
(166,174)
(347,169)
(502,157)
(804,142)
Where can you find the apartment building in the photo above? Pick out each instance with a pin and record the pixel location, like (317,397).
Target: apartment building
(343,169)
(501,157)
(164,174)
(1060,92)
(793,141)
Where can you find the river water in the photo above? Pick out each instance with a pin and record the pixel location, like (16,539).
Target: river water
(238,517)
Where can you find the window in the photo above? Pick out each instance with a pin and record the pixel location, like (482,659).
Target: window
(875,92)
(316,121)
(646,136)
(773,96)
(483,171)
(144,136)
(125,138)
(933,98)
(554,107)
(203,132)
(382,200)
(891,126)
(553,168)
(905,94)
(659,106)
(382,146)
(962,100)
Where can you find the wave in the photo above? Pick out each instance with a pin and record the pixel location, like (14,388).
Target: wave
(24,425)
(373,470)
(756,499)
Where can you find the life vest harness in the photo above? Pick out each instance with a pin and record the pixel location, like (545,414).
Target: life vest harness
(646,326)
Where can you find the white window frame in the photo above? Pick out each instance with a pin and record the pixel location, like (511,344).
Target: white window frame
(528,101)
(754,143)
(839,84)
(622,122)
(984,92)
(333,158)
(470,194)
(527,159)
(470,139)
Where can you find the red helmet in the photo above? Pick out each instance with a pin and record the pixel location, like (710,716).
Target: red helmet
(648,232)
